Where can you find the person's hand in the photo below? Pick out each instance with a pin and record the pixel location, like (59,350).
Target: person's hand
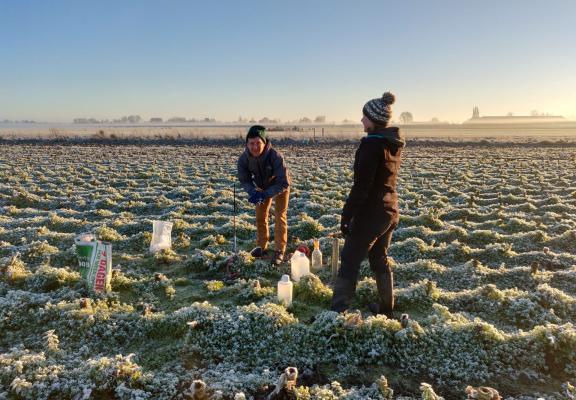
(345,226)
(257,198)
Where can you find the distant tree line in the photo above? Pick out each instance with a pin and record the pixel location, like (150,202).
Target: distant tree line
(127,119)
(24,121)
(136,119)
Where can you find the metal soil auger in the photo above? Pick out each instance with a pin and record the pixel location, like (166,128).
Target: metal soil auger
(231,260)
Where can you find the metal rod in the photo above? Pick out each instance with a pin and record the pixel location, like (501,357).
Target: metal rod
(234,219)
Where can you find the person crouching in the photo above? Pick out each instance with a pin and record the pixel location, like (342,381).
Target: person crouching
(264,176)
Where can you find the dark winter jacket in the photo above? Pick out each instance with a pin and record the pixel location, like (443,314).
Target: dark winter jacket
(267,172)
(376,166)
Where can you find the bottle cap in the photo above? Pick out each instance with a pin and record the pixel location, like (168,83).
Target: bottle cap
(285,278)
(296,254)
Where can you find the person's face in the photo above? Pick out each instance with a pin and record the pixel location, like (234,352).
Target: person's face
(368,125)
(255,146)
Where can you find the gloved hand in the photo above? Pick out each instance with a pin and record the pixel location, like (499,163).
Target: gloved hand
(257,198)
(345,226)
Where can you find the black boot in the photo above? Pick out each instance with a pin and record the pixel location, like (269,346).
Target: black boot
(385,287)
(344,290)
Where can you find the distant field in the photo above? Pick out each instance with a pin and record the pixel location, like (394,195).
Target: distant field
(565,131)
(485,258)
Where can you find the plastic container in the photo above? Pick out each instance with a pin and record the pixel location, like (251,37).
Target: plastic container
(299,266)
(316,256)
(285,290)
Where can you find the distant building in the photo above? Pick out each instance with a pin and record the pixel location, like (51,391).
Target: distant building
(475,113)
(501,119)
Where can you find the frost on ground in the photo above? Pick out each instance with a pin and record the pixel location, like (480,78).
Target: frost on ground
(485,259)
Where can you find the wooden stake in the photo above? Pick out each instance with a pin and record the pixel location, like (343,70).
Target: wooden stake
(335,257)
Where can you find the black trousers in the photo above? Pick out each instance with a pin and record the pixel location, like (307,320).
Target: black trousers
(370,234)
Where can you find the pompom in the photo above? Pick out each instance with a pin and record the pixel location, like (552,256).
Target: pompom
(388,98)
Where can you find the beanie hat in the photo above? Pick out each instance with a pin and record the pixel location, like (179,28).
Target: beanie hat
(378,110)
(256,131)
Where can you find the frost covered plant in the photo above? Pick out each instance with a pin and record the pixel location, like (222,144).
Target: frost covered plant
(197,391)
(230,378)
(311,289)
(20,386)
(482,393)
(384,389)
(420,294)
(409,250)
(243,265)
(13,270)
(569,390)
(307,228)
(334,391)
(212,240)
(202,260)
(52,342)
(108,234)
(166,257)
(170,292)
(120,368)
(35,376)
(214,286)
(40,250)
(241,292)
(120,281)
(428,393)
(366,291)
(182,242)
(47,278)
(249,333)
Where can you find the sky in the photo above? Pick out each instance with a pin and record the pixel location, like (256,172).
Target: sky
(285,59)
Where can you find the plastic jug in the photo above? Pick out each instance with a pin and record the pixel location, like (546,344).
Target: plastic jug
(285,290)
(316,256)
(299,266)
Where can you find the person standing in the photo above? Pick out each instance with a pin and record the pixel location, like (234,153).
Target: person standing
(264,176)
(371,212)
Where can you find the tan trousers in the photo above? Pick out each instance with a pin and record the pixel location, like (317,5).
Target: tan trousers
(280,222)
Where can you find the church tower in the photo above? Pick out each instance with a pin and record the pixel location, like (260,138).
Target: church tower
(475,113)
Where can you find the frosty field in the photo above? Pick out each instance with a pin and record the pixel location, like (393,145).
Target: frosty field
(485,267)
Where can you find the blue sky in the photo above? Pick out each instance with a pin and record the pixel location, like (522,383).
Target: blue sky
(285,59)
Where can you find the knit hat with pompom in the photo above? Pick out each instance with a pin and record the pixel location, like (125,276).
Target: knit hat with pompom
(378,110)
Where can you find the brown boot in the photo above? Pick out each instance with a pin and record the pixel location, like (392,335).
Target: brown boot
(344,290)
(278,257)
(385,287)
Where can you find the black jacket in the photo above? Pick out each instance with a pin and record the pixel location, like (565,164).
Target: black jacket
(376,166)
(267,172)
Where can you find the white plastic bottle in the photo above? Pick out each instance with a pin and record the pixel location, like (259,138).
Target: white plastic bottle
(285,290)
(299,266)
(316,256)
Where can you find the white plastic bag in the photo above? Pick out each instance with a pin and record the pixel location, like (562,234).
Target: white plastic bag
(161,236)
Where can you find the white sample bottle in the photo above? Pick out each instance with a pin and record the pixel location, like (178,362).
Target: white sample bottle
(299,266)
(316,256)
(285,290)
